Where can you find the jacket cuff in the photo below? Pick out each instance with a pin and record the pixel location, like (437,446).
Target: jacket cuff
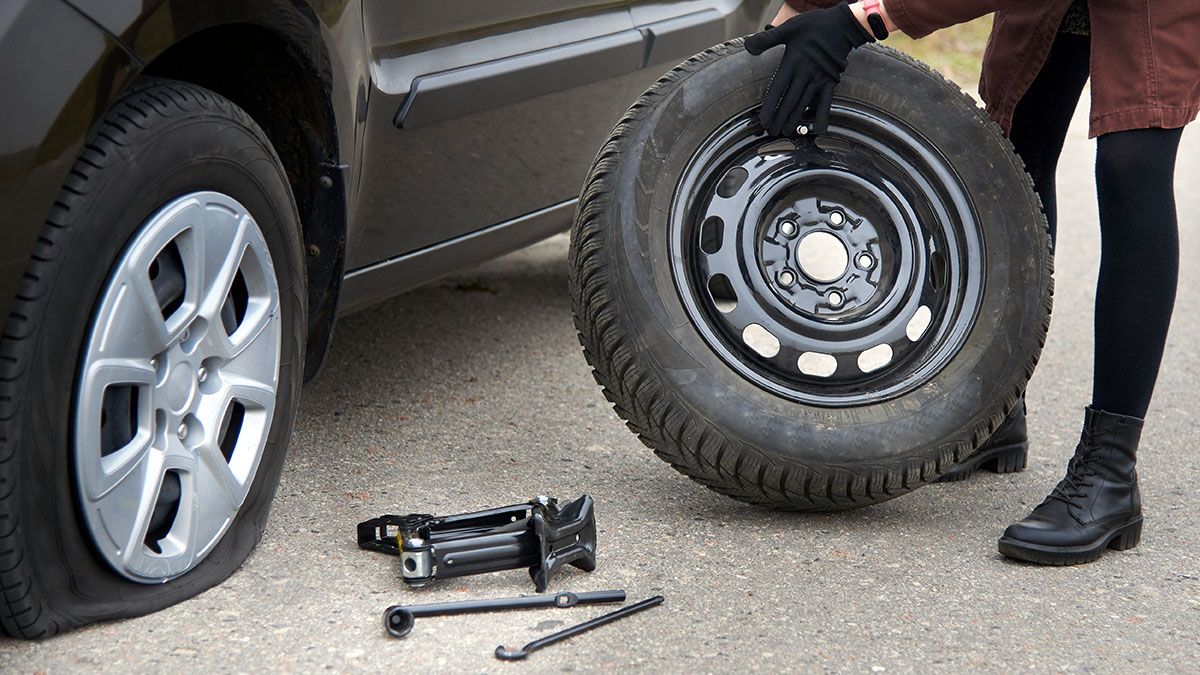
(918,18)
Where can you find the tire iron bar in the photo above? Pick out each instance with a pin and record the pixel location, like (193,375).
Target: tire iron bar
(399,619)
(513,655)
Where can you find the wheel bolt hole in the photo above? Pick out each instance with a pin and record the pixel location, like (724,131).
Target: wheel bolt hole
(190,431)
(732,182)
(788,228)
(723,295)
(761,340)
(208,376)
(937,270)
(712,233)
(835,299)
(865,261)
(836,218)
(192,335)
(786,278)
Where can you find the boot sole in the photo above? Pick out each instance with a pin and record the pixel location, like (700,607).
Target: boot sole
(1121,538)
(1003,459)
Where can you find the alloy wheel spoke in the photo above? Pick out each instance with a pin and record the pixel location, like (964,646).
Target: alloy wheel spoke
(235,424)
(102,467)
(125,509)
(238,255)
(224,248)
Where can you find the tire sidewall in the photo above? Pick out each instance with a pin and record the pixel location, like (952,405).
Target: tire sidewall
(981,381)
(204,150)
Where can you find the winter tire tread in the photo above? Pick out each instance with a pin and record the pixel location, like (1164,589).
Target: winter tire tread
(753,476)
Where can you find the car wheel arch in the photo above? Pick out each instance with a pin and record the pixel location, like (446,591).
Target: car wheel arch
(286,88)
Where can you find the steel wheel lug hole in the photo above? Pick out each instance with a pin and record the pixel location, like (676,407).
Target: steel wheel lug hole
(865,261)
(836,218)
(787,278)
(788,228)
(835,299)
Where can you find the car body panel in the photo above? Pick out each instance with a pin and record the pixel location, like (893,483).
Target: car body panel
(469,130)
(501,107)
(49,111)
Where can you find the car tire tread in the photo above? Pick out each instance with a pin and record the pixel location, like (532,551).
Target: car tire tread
(684,439)
(23,612)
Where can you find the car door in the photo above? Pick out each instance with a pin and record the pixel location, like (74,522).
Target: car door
(482,112)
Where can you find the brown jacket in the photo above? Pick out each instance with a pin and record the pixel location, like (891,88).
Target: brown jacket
(1145,54)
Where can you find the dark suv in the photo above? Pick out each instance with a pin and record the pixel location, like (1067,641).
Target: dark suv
(192,192)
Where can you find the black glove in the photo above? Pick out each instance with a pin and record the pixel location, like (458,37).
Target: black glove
(817,44)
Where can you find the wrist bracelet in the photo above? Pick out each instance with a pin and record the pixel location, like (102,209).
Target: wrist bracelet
(875,19)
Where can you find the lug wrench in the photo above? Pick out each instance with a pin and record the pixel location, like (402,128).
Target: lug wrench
(516,654)
(399,619)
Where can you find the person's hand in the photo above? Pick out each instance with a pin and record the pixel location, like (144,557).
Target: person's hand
(817,45)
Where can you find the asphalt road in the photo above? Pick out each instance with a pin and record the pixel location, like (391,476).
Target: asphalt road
(472,393)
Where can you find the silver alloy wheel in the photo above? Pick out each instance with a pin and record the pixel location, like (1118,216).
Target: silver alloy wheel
(177,387)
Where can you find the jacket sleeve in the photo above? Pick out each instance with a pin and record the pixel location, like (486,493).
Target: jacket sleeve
(918,18)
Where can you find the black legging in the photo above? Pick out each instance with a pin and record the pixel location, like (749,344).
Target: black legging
(1139,257)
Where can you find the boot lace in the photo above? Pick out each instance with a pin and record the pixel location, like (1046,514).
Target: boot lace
(1079,470)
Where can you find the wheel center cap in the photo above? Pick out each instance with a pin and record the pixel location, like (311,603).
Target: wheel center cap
(180,386)
(822,256)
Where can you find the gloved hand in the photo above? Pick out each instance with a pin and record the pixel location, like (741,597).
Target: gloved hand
(817,44)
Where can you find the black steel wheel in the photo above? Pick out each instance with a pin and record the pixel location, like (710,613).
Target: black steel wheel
(812,322)
(836,270)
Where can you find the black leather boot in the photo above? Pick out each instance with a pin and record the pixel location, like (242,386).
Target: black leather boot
(1096,506)
(1005,451)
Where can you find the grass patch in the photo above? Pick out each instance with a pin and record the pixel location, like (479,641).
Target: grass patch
(955,52)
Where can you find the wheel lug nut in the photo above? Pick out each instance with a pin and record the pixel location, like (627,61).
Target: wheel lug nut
(836,218)
(202,374)
(786,278)
(788,228)
(184,336)
(183,431)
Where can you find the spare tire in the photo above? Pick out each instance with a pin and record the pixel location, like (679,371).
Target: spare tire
(812,323)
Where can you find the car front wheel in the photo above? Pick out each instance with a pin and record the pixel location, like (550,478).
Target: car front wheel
(151,366)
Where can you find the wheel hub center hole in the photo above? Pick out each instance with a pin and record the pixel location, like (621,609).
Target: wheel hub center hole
(822,256)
